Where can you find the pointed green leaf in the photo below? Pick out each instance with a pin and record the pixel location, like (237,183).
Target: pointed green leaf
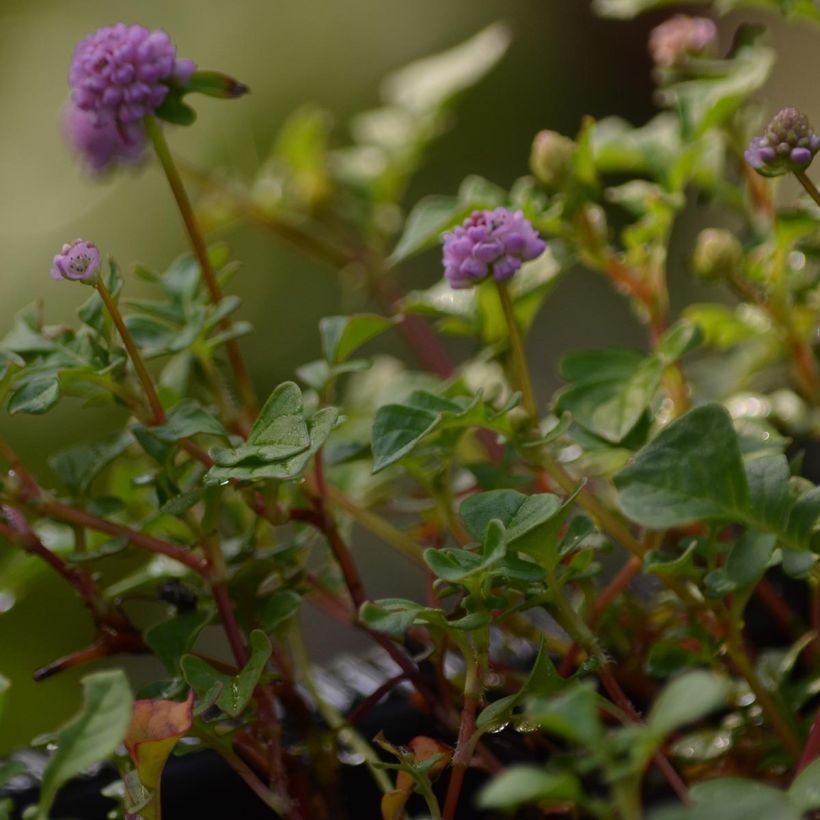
(36,396)
(397,428)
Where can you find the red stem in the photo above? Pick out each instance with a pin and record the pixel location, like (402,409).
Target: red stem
(149,543)
(811,750)
(463,755)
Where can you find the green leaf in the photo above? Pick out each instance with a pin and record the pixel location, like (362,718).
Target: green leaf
(804,517)
(393,616)
(428,220)
(749,558)
(255,463)
(172,639)
(573,714)
(77,466)
(233,694)
(281,425)
(691,471)
(804,791)
(342,335)
(215,84)
(733,798)
(525,517)
(770,499)
(433,81)
(629,8)
(542,677)
(5,685)
(521,785)
(687,699)
(38,395)
(611,390)
(93,735)
(172,109)
(278,609)
(278,442)
(186,419)
(397,428)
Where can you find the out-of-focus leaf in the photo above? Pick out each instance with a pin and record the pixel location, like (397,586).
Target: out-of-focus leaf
(77,466)
(93,735)
(521,785)
(687,699)
(343,335)
(432,81)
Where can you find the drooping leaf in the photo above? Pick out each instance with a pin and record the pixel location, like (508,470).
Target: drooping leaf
(156,727)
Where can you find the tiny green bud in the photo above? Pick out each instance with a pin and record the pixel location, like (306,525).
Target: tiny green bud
(551,158)
(718,254)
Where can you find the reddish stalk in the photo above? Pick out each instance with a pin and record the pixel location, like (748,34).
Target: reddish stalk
(148,543)
(465,747)
(811,751)
(108,642)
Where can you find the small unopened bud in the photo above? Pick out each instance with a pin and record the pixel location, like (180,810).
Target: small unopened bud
(679,37)
(551,158)
(787,146)
(718,254)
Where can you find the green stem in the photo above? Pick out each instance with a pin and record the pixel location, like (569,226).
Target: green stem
(811,188)
(519,357)
(377,525)
(780,725)
(332,717)
(240,371)
(133,352)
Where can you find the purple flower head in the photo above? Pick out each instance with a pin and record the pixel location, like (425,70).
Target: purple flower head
(78,261)
(679,37)
(100,147)
(787,146)
(489,242)
(120,74)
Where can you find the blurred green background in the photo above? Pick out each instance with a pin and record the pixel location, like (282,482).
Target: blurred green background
(563,63)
